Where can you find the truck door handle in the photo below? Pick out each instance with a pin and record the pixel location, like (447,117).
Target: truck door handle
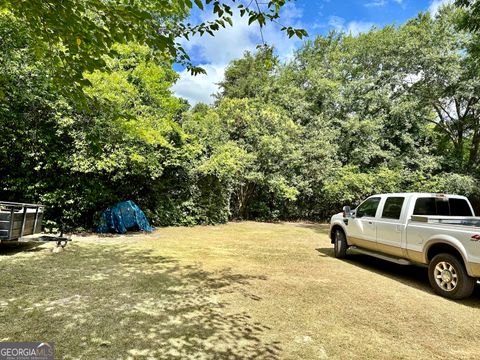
(370,222)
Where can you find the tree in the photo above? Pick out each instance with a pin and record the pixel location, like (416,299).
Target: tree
(251,145)
(354,85)
(446,77)
(76,34)
(250,76)
(471,18)
(77,161)
(377,95)
(470,21)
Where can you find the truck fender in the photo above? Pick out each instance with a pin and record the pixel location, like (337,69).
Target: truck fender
(444,239)
(337,224)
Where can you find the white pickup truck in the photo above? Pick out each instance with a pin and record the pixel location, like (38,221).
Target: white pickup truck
(437,230)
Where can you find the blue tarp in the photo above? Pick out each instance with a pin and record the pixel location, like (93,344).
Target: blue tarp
(123,216)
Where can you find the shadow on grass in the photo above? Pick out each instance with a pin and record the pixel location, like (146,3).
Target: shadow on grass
(12,248)
(411,275)
(108,302)
(318,227)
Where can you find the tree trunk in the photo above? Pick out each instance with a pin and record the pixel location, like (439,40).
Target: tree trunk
(473,156)
(459,146)
(244,195)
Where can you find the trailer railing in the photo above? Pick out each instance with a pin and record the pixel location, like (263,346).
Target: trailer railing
(19,219)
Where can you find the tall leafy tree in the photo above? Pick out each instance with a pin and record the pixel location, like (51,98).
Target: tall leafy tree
(250,76)
(446,79)
(79,160)
(471,18)
(257,145)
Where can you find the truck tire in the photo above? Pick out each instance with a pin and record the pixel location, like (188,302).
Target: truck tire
(448,277)
(339,244)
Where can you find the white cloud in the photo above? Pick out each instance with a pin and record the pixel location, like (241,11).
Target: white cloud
(214,53)
(376,3)
(356,27)
(337,23)
(353,27)
(199,88)
(381,3)
(435,5)
(227,44)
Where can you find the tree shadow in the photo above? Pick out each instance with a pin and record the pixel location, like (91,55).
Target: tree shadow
(110,302)
(411,275)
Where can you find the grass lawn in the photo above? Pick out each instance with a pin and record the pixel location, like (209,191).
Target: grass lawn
(238,291)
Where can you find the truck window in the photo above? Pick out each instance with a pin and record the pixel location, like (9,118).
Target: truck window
(460,207)
(436,206)
(425,206)
(393,208)
(443,207)
(368,207)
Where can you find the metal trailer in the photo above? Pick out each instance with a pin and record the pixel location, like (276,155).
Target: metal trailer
(20,220)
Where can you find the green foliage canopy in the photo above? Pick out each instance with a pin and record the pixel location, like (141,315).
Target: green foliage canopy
(394,109)
(76,34)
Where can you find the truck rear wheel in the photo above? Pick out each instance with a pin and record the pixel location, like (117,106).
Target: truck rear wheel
(448,277)
(340,244)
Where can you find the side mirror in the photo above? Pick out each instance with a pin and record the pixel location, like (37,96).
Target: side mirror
(347,212)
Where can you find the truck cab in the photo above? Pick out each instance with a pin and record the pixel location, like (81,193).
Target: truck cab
(412,228)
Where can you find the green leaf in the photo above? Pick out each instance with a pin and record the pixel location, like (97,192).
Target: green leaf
(199,4)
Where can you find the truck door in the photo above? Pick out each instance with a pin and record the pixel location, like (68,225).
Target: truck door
(390,228)
(361,228)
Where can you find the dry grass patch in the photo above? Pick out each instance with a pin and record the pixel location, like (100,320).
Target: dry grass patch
(236,291)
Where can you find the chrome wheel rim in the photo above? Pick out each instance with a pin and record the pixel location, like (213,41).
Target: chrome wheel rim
(446,276)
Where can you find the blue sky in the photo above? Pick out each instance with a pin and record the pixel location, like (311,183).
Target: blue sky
(317,17)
